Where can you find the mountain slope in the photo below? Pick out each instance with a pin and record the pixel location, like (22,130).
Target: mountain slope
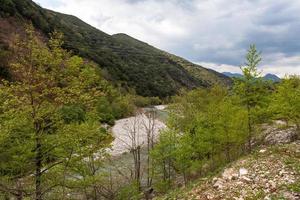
(124,60)
(269,173)
(272,77)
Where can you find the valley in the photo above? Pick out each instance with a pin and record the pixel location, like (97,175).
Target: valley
(87,115)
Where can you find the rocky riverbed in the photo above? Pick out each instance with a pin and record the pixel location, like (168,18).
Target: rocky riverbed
(133,130)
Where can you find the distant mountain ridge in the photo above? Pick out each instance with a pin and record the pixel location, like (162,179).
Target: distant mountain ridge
(271,77)
(232,75)
(124,60)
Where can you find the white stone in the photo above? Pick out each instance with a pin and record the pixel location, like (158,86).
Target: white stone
(243,172)
(267,197)
(262,151)
(229,174)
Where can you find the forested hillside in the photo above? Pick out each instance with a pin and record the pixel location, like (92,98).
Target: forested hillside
(124,60)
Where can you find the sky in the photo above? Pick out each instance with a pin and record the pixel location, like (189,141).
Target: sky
(213,33)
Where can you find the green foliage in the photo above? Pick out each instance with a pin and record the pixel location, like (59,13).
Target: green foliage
(253,91)
(286,101)
(127,61)
(131,192)
(205,131)
(105,111)
(115,106)
(73,114)
(140,101)
(48,119)
(209,128)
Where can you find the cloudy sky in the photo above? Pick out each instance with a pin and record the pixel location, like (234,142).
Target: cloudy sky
(213,33)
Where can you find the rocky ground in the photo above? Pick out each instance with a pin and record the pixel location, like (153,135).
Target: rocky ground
(269,173)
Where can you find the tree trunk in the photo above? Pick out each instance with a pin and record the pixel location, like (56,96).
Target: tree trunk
(148,161)
(249,129)
(20,190)
(137,164)
(184,178)
(297,137)
(38,167)
(227,152)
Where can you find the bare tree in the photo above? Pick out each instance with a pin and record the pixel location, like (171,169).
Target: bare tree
(149,124)
(134,143)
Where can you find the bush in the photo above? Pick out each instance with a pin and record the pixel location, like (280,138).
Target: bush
(130,191)
(140,101)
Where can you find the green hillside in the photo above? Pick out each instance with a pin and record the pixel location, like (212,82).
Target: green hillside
(124,60)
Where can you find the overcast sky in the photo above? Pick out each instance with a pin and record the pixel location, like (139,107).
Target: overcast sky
(213,33)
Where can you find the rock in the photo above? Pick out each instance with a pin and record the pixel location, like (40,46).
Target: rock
(229,174)
(243,172)
(238,198)
(239,183)
(210,196)
(267,197)
(262,151)
(215,179)
(218,184)
(280,136)
(272,184)
(245,179)
(280,123)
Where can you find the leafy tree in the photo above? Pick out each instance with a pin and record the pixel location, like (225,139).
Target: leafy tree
(47,115)
(252,90)
(286,101)
(163,159)
(205,131)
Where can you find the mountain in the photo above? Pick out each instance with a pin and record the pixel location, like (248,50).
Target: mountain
(269,77)
(124,60)
(272,77)
(233,75)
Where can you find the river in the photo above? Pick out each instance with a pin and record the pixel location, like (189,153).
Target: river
(133,130)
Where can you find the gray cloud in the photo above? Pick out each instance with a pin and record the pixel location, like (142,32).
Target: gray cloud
(216,32)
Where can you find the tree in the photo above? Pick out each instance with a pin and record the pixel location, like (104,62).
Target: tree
(232,130)
(252,90)
(286,101)
(205,131)
(149,125)
(47,114)
(133,141)
(163,160)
